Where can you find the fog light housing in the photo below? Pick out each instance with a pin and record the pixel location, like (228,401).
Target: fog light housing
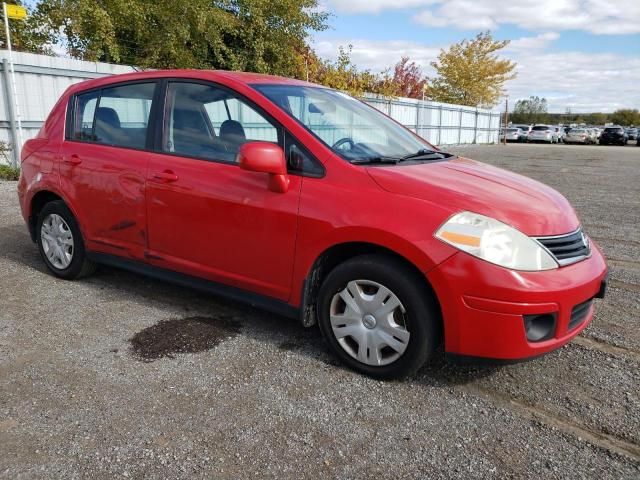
(540,327)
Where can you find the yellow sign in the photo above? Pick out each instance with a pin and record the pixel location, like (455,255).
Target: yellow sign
(16,12)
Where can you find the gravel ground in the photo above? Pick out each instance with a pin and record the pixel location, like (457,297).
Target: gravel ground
(120,375)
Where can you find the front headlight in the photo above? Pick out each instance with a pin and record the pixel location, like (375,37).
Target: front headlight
(495,242)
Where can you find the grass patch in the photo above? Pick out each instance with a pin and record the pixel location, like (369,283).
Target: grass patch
(7,172)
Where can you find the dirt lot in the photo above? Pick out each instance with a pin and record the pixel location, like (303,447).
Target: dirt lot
(96,380)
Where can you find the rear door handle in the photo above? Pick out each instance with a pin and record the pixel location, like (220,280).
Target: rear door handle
(72,159)
(166,176)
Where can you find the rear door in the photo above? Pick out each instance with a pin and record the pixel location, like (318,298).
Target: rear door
(206,216)
(103,165)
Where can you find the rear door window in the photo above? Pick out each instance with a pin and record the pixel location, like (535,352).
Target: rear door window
(117,116)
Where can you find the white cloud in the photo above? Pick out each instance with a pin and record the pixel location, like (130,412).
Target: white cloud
(379,55)
(595,16)
(376,6)
(525,44)
(584,82)
(614,18)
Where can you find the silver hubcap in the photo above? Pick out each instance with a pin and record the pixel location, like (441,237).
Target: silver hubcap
(369,322)
(57,241)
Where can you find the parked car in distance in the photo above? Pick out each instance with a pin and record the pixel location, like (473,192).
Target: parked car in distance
(525,128)
(632,133)
(593,134)
(307,202)
(613,136)
(543,133)
(513,135)
(560,133)
(578,135)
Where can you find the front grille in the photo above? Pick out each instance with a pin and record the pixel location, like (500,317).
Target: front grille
(567,249)
(579,313)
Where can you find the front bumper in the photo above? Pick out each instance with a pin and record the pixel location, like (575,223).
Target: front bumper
(484,305)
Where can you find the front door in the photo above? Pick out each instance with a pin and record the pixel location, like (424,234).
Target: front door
(206,216)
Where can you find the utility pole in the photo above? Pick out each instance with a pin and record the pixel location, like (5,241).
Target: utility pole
(19,13)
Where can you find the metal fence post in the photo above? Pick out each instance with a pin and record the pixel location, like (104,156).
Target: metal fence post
(475,128)
(460,128)
(490,134)
(417,106)
(439,124)
(8,100)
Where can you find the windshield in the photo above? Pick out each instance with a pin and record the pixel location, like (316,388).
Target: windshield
(540,128)
(613,129)
(349,127)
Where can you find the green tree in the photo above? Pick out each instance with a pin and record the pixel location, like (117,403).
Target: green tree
(471,72)
(597,118)
(626,117)
(343,74)
(531,110)
(26,34)
(253,35)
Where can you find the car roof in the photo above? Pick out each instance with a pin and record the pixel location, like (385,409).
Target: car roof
(222,76)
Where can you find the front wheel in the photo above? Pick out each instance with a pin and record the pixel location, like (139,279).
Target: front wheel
(378,317)
(60,242)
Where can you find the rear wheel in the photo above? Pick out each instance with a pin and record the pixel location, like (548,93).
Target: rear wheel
(378,317)
(60,242)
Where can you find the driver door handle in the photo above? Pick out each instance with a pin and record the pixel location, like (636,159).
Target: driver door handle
(166,176)
(72,159)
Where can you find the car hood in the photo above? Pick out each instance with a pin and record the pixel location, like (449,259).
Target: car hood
(462,184)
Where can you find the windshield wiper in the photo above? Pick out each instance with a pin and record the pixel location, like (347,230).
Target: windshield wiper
(425,154)
(368,160)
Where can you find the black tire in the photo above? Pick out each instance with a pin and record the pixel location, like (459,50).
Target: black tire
(80,265)
(422,315)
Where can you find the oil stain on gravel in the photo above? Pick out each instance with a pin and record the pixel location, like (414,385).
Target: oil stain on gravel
(185,335)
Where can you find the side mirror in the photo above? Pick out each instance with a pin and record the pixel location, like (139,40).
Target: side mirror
(268,158)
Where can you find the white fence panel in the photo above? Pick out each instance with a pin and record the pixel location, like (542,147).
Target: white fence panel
(41,79)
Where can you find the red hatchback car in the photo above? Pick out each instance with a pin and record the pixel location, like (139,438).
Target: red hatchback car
(304,201)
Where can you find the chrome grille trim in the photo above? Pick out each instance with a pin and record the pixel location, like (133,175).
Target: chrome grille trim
(568,248)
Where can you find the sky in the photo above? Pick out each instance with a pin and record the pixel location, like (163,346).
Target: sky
(582,55)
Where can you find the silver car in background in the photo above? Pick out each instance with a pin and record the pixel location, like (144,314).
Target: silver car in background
(560,133)
(543,133)
(578,135)
(513,135)
(524,127)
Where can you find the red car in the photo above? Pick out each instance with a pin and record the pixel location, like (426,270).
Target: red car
(304,201)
